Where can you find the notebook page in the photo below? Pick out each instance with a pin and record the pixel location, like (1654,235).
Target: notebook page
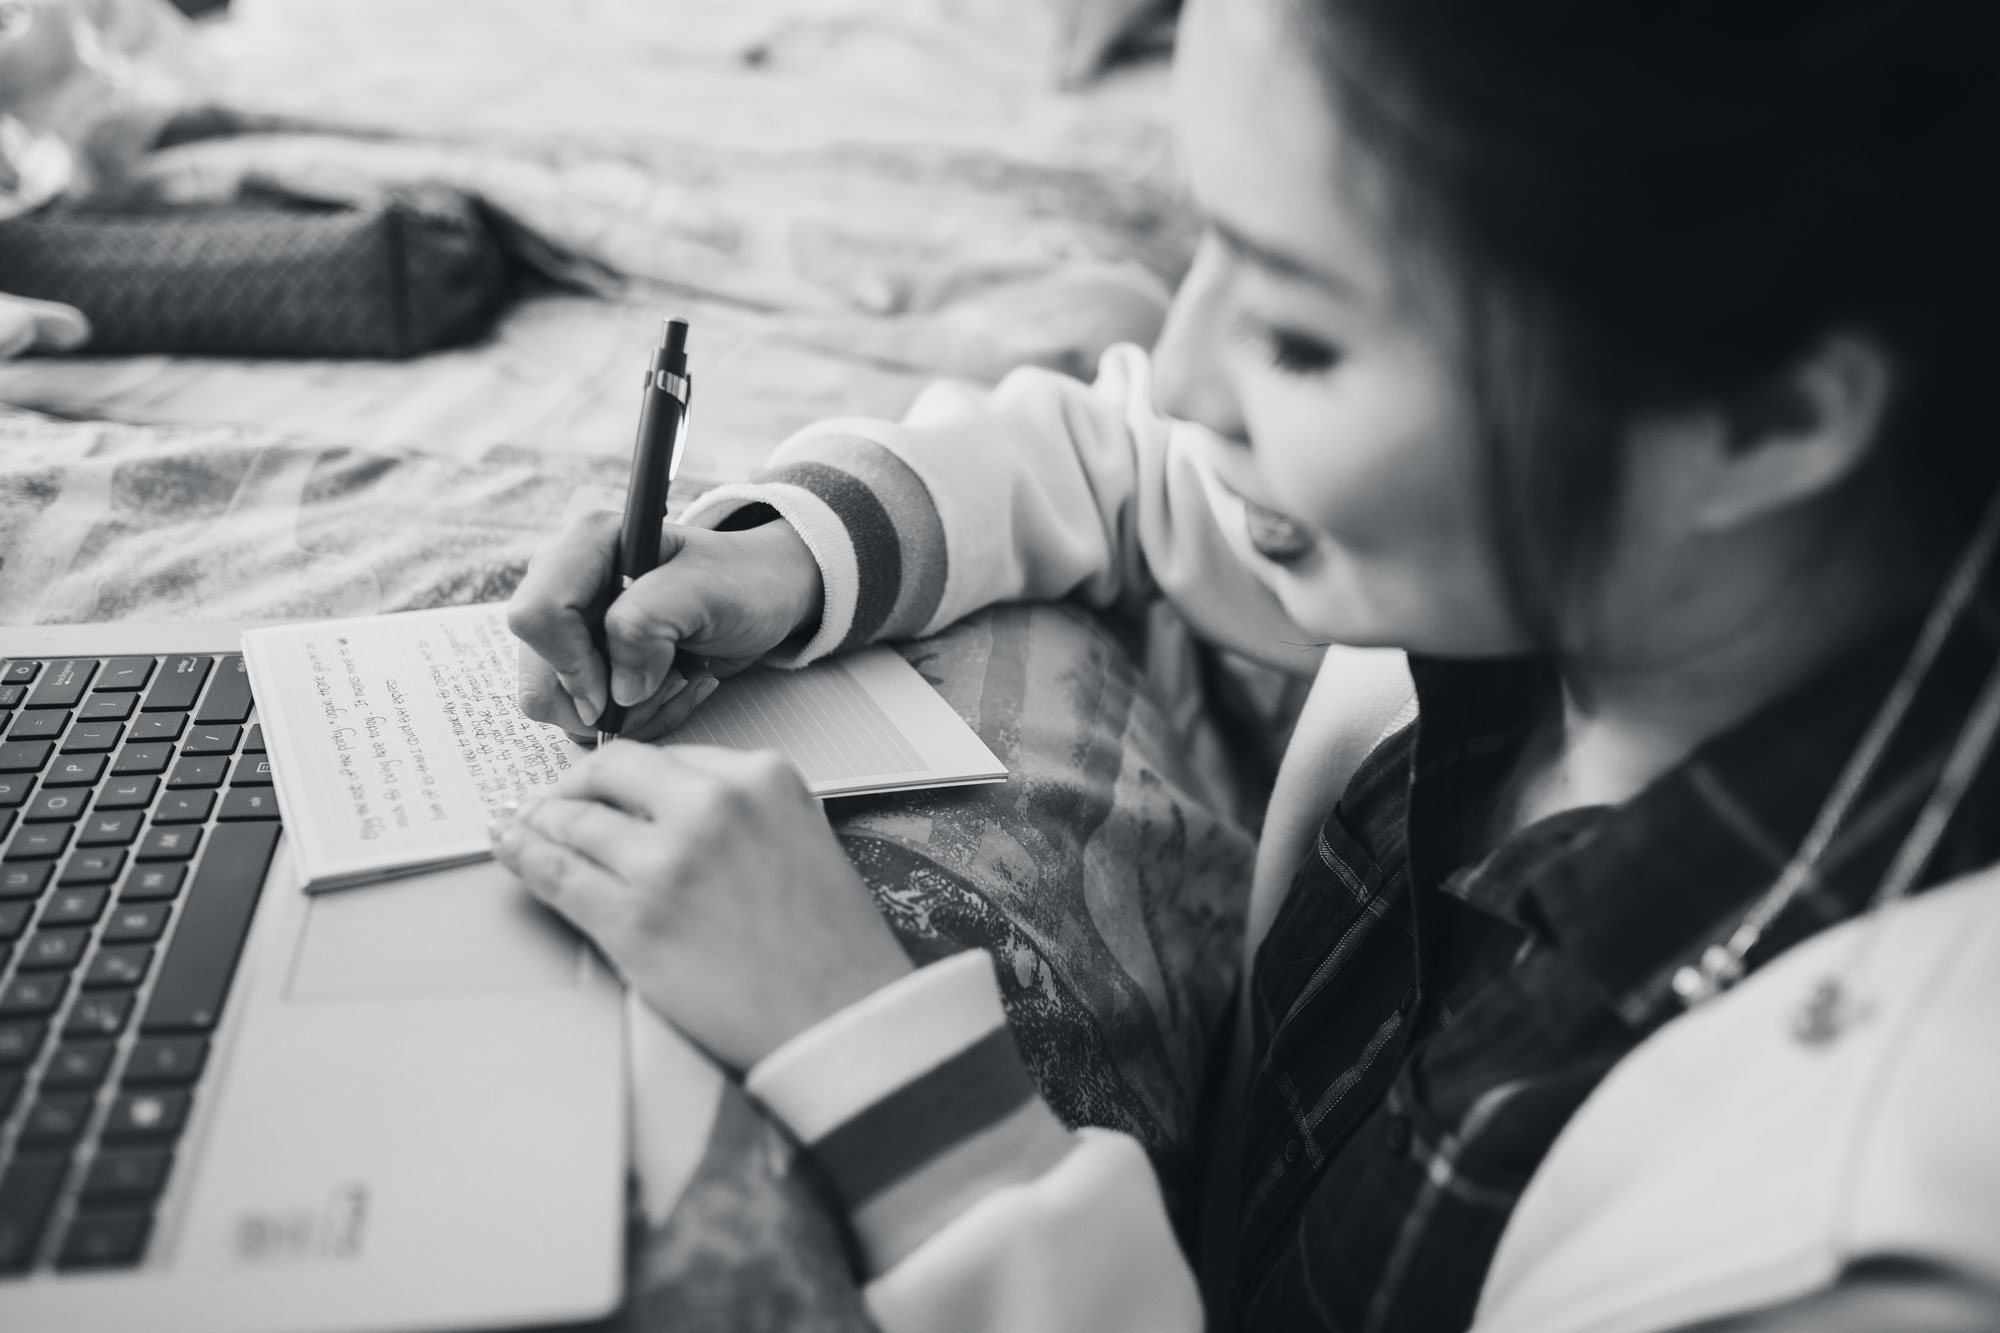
(393,737)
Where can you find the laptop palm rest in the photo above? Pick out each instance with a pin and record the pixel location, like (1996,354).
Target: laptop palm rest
(465,930)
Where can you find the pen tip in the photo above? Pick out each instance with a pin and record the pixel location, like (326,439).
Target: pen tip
(674,337)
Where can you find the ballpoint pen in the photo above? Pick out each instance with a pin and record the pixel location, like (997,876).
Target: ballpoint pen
(656,457)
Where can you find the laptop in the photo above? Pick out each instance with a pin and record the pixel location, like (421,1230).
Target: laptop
(227,1105)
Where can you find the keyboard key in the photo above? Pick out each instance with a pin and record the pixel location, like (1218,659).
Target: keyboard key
(178,685)
(115,828)
(146,1115)
(167,1060)
(27,1193)
(11,695)
(138,759)
(38,842)
(93,865)
(14,918)
(63,684)
(229,697)
(33,994)
(249,803)
(252,770)
(75,770)
(125,674)
(121,965)
(56,805)
(92,738)
(105,1240)
(74,907)
(24,756)
(6,822)
(159,727)
(55,1120)
(194,976)
(78,1065)
(133,1175)
(45,724)
(137,922)
(185,807)
(11,1083)
(254,742)
(99,1014)
(148,882)
(107,707)
(57,950)
(19,1041)
(14,789)
(24,879)
(212,740)
(204,771)
(127,793)
(172,843)
(20,673)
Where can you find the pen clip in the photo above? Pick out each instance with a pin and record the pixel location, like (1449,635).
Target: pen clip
(681,430)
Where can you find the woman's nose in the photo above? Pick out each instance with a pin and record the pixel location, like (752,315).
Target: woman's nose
(1190,382)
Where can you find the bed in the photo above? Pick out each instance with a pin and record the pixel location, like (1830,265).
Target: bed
(850,199)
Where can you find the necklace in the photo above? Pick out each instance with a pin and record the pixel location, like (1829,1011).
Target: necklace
(1831,1008)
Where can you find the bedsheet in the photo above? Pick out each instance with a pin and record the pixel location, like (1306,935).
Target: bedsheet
(852,194)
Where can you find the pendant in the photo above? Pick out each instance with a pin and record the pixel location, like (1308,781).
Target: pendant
(1827,1013)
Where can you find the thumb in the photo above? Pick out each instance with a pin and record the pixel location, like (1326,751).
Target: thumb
(26,323)
(645,626)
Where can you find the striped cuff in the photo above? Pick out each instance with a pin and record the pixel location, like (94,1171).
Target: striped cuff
(915,1103)
(870,523)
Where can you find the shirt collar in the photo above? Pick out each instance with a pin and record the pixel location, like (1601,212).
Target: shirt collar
(1634,891)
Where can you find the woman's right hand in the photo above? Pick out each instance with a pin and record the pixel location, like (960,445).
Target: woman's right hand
(717,602)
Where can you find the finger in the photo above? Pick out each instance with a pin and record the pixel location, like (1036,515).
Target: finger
(59,327)
(646,625)
(543,697)
(590,896)
(674,711)
(648,781)
(551,611)
(609,837)
(26,323)
(658,715)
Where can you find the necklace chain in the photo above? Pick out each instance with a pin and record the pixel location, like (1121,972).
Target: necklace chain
(1829,1011)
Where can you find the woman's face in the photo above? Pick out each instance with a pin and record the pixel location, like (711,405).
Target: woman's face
(1325,371)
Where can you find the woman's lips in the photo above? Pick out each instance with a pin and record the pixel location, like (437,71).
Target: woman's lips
(1274,536)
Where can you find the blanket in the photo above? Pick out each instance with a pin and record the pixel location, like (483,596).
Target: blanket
(1102,875)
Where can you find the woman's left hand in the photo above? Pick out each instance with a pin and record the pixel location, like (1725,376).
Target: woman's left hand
(713,882)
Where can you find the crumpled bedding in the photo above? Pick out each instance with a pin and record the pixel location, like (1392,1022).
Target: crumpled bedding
(888,187)
(1102,875)
(849,199)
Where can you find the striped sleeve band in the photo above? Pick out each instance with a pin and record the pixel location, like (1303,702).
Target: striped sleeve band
(915,1103)
(870,523)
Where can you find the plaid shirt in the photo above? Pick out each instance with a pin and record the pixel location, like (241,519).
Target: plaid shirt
(1427,1018)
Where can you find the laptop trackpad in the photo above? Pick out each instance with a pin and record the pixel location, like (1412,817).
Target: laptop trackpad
(468,929)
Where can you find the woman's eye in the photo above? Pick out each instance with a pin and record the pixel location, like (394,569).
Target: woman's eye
(1300,353)
(1289,350)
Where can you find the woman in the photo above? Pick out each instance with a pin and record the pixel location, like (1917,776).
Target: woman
(1622,368)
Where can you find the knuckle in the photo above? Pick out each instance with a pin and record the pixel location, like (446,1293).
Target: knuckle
(770,774)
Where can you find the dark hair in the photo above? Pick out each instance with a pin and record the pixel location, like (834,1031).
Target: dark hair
(1654,205)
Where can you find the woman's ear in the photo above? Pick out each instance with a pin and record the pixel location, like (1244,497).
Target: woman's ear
(1802,435)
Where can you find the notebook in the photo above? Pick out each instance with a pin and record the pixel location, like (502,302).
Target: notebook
(393,738)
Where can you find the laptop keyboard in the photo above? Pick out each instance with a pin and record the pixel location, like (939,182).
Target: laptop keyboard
(137,821)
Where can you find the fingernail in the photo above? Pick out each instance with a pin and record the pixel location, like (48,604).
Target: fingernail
(708,686)
(586,712)
(502,817)
(628,687)
(676,682)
